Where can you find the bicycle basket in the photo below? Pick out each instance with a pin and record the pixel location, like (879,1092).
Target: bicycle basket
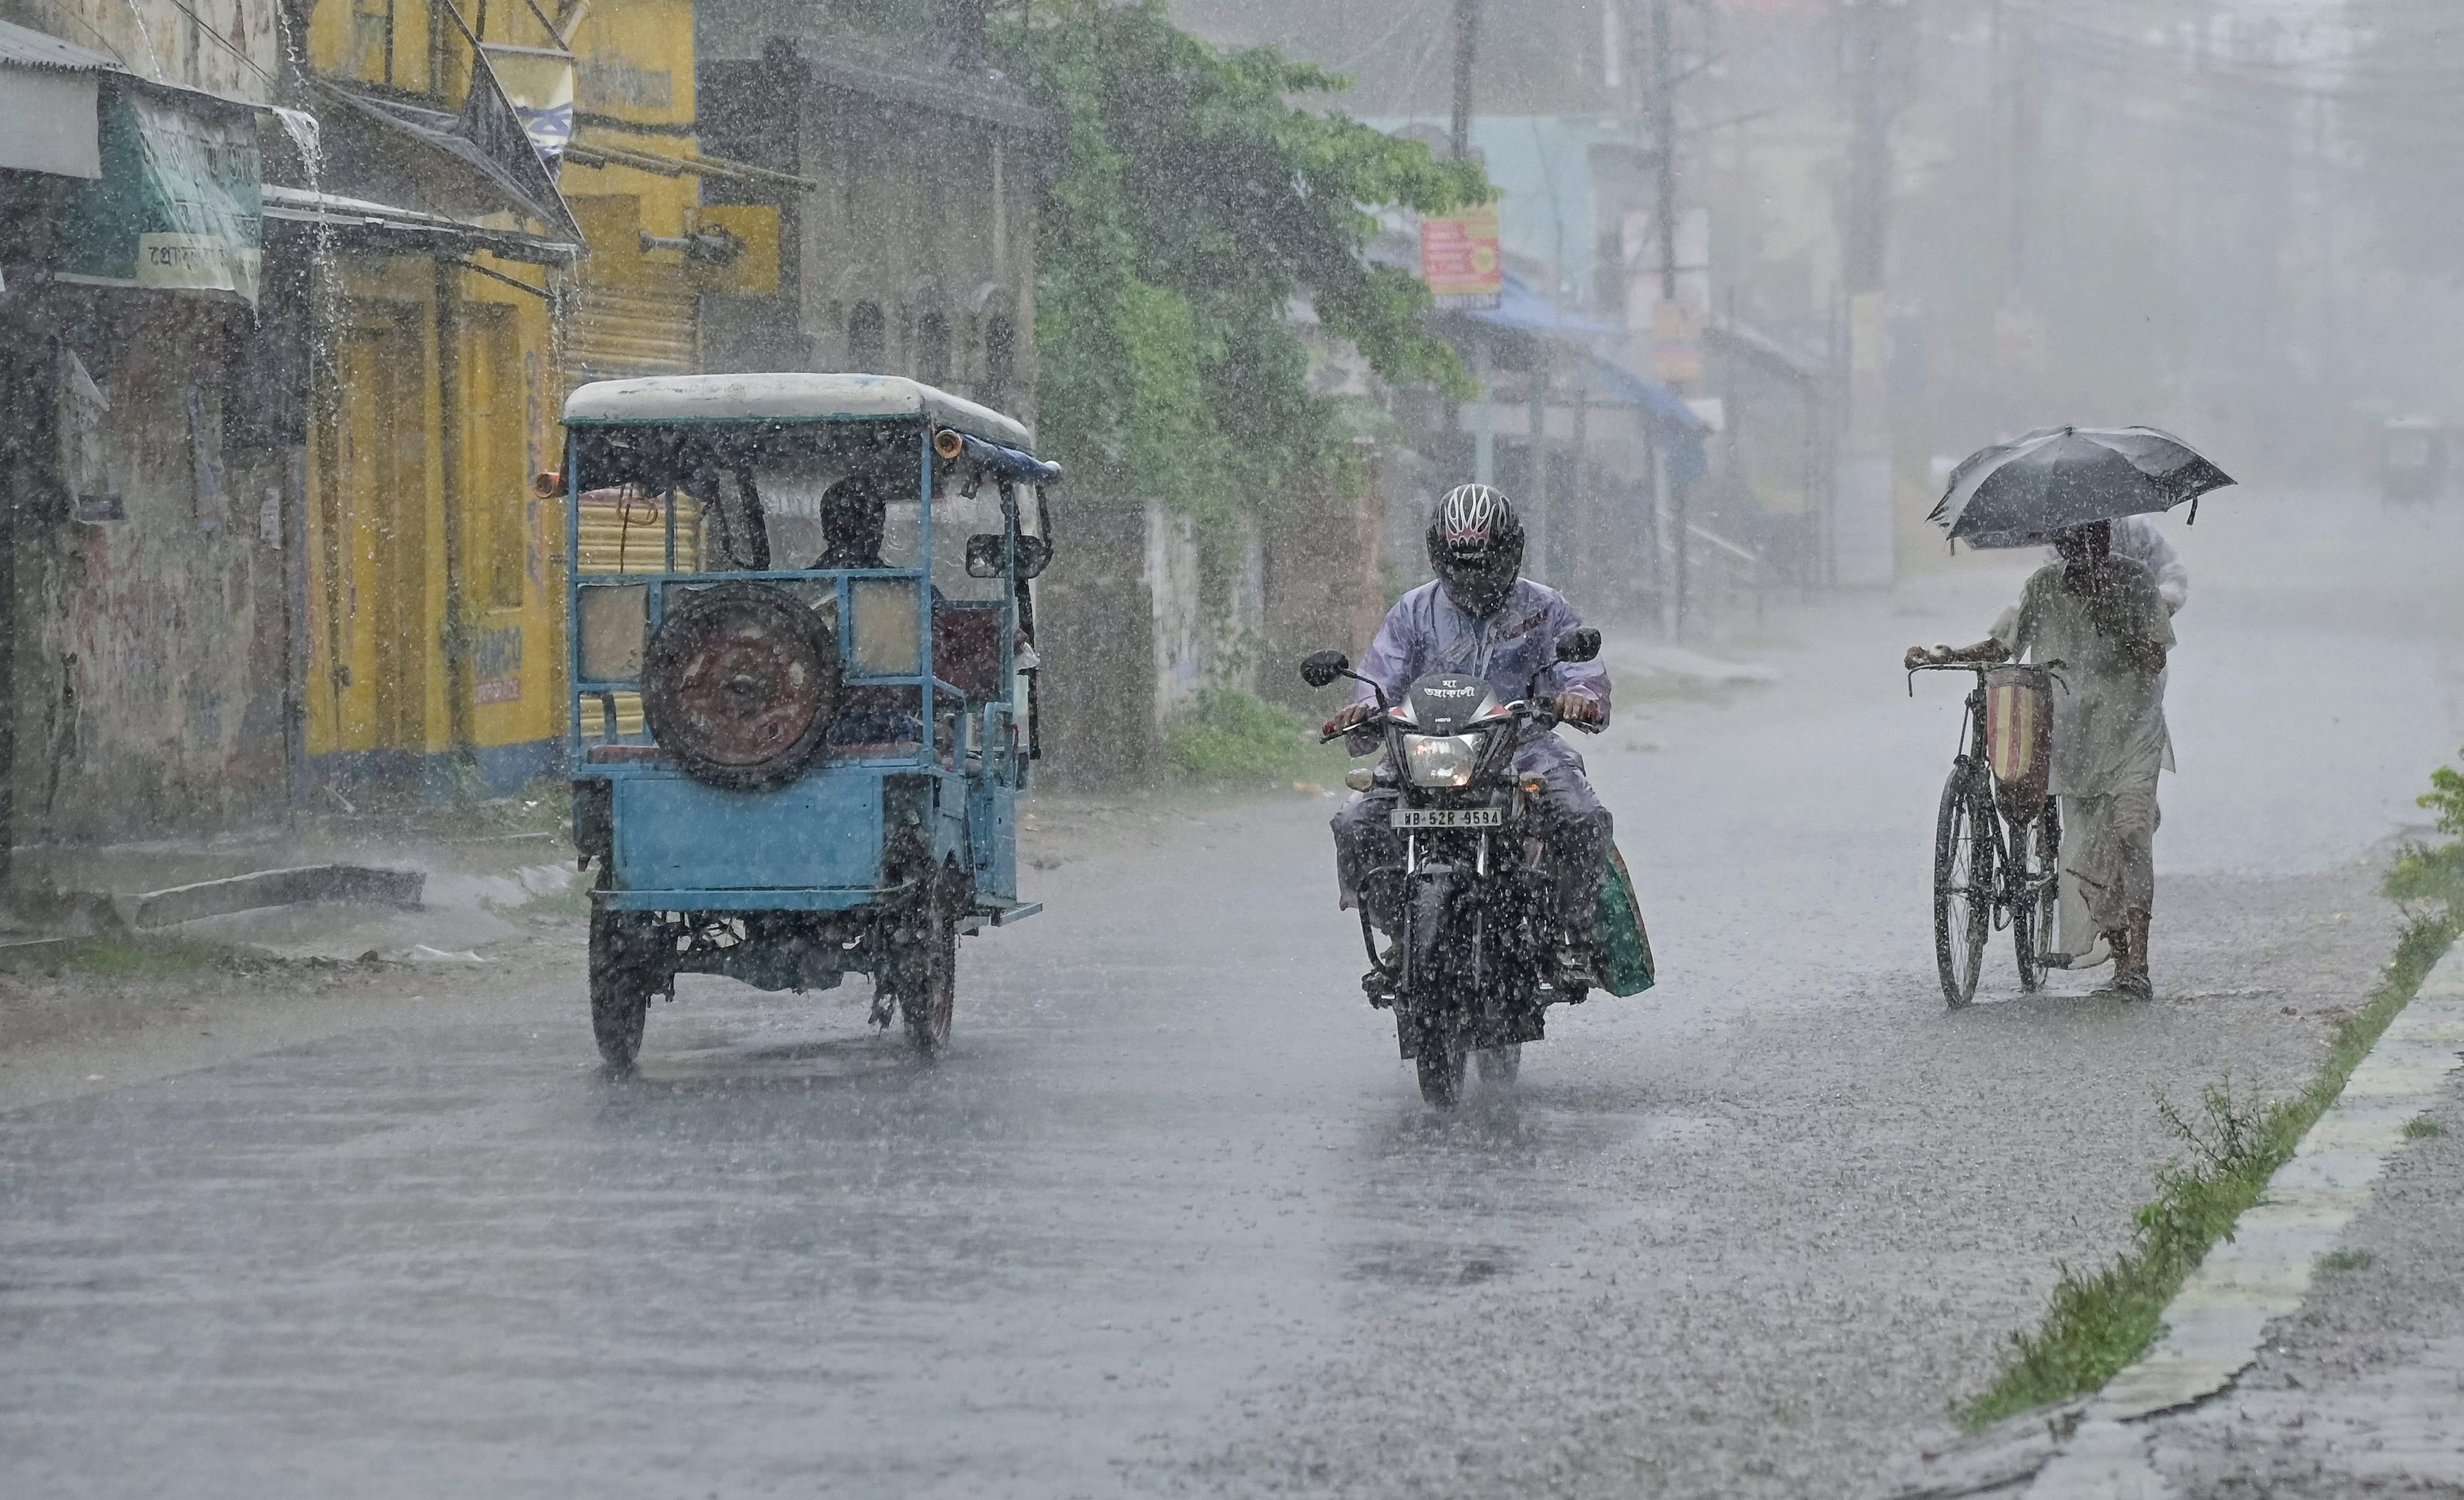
(2019,734)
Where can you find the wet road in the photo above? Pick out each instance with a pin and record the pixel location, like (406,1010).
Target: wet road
(1171,1219)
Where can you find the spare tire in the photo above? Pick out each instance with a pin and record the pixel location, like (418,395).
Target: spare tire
(739,682)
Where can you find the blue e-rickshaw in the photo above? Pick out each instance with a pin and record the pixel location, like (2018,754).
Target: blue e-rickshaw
(802,668)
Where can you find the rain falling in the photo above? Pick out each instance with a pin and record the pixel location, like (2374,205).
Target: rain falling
(1133,748)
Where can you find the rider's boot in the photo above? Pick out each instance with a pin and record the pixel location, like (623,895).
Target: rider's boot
(1379,984)
(1573,971)
(1574,964)
(1573,975)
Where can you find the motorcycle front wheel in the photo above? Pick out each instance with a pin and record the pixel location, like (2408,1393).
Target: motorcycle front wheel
(1441,1073)
(1432,980)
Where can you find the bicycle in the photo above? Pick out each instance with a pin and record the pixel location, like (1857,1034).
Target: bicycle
(1997,840)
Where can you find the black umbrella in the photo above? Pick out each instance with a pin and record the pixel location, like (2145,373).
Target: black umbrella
(2023,491)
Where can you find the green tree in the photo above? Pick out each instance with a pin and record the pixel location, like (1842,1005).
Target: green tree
(1190,199)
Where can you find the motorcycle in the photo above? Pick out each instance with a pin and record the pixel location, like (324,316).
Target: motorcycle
(1469,974)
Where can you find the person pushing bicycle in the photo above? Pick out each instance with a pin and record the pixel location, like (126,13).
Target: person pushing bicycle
(2099,621)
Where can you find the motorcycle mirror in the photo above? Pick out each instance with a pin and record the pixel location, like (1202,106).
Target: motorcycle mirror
(984,559)
(1580,643)
(1320,668)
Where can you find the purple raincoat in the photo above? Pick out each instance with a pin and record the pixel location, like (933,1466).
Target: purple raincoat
(1426,631)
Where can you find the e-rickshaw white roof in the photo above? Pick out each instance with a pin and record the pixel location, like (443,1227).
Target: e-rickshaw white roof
(787,396)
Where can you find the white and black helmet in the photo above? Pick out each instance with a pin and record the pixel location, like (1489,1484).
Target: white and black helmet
(1476,546)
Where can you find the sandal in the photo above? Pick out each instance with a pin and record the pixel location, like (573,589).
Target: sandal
(2125,986)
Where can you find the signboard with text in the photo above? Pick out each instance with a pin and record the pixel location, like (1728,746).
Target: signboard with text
(1460,258)
(178,206)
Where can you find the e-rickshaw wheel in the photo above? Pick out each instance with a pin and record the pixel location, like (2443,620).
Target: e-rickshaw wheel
(740,683)
(625,973)
(920,967)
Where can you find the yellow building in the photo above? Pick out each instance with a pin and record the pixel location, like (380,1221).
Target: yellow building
(455,327)
(433,602)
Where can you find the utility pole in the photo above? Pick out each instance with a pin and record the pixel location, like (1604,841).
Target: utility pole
(1537,502)
(1483,436)
(1867,231)
(1863,527)
(2018,338)
(1671,498)
(1467,44)
(1664,144)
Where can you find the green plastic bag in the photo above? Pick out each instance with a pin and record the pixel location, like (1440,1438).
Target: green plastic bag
(1624,944)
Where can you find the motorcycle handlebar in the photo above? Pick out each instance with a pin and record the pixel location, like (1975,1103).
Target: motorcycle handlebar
(1540,714)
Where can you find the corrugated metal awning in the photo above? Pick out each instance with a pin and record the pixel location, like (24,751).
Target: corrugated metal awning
(23,47)
(409,229)
(49,93)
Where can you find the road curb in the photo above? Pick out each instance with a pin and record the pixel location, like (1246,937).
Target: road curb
(2097,1449)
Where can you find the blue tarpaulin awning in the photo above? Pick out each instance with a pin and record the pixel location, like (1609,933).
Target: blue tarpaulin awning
(1525,311)
(1679,432)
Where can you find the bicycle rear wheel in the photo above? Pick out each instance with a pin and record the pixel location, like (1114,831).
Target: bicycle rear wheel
(1964,872)
(2035,894)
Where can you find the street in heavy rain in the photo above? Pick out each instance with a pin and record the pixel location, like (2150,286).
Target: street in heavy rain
(1150,748)
(1169,1216)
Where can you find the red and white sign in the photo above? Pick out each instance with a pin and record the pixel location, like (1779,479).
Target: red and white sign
(1460,260)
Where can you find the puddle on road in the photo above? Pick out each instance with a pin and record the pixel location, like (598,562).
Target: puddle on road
(1419,1264)
(818,1060)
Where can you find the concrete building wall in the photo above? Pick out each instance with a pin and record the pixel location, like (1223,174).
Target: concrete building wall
(149,665)
(915,253)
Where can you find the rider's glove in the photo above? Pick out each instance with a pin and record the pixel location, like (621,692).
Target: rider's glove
(1579,708)
(1351,718)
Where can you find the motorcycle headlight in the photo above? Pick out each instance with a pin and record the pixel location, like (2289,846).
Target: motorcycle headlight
(1445,761)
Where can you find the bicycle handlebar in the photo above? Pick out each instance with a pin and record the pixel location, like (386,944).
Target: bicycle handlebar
(2052,669)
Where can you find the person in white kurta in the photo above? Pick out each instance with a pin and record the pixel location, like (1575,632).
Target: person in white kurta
(2139,539)
(2101,622)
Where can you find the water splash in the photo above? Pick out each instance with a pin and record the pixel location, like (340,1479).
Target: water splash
(308,138)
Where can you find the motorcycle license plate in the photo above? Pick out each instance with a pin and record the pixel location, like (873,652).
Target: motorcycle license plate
(1410,818)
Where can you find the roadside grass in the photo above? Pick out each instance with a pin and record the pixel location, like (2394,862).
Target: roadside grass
(1230,741)
(2339,1261)
(573,901)
(543,806)
(2422,1127)
(115,957)
(2100,1320)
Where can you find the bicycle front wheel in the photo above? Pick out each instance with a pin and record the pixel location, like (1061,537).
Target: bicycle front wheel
(1964,872)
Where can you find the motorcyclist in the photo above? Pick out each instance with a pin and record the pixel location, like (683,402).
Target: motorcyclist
(1481,617)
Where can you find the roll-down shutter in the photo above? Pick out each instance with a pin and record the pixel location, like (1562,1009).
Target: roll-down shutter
(621,332)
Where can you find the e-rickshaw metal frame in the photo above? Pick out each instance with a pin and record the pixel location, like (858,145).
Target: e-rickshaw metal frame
(795,885)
